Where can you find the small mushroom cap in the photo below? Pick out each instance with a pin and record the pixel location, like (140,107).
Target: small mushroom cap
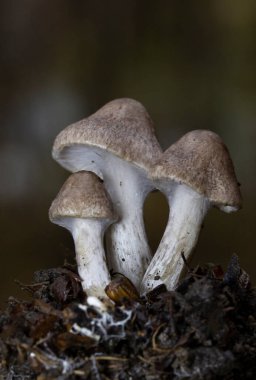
(122,127)
(201,161)
(82,196)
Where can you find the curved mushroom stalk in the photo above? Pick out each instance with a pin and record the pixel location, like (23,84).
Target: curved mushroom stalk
(127,245)
(187,211)
(90,255)
(194,173)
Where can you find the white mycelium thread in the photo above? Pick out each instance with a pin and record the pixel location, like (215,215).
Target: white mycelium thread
(100,324)
(96,303)
(50,361)
(84,331)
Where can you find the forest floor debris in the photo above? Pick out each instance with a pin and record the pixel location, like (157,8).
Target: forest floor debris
(205,329)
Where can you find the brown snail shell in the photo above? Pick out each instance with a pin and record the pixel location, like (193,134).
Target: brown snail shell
(121,288)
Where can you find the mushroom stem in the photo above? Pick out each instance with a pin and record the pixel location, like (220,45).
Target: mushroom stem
(127,245)
(128,186)
(187,211)
(90,255)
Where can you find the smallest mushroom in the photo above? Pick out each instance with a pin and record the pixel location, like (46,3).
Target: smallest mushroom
(84,208)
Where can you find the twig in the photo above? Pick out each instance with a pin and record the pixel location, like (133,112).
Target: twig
(154,344)
(29,288)
(114,358)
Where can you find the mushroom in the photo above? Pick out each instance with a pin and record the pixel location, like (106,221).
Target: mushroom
(83,207)
(118,144)
(195,174)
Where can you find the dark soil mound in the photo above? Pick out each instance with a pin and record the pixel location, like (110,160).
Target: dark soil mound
(206,329)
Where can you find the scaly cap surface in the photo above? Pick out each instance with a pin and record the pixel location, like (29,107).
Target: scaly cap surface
(201,160)
(122,127)
(82,196)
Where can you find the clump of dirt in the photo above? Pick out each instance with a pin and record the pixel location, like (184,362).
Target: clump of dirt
(205,329)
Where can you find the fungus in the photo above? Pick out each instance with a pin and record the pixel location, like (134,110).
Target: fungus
(118,144)
(83,207)
(195,174)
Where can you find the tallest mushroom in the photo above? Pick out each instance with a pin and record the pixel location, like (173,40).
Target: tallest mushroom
(117,143)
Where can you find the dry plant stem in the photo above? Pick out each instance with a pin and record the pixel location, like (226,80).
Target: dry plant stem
(90,255)
(187,211)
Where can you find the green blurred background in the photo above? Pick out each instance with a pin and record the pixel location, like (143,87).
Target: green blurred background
(191,63)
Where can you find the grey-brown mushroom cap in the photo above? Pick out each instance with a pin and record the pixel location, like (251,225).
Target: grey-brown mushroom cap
(82,196)
(121,126)
(201,160)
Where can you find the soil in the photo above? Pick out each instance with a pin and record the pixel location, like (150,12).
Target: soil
(205,329)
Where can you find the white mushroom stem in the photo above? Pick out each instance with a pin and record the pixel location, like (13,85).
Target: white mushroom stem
(90,255)
(187,211)
(127,244)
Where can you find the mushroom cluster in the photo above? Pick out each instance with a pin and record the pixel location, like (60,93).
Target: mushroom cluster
(116,161)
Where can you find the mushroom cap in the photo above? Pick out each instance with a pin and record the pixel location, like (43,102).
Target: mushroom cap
(82,196)
(122,127)
(201,161)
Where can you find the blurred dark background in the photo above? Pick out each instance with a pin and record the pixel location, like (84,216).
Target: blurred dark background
(192,64)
